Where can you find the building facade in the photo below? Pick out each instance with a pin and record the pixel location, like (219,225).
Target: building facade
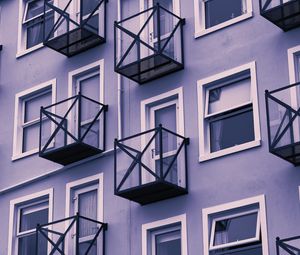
(149,127)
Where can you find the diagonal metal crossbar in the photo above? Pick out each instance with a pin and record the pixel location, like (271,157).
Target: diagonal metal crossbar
(71,110)
(71,224)
(287,245)
(139,157)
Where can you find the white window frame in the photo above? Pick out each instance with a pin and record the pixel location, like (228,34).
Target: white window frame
(77,185)
(262,220)
(157,101)
(163,226)
(240,242)
(14,214)
(19,116)
(199,12)
(80,74)
(204,140)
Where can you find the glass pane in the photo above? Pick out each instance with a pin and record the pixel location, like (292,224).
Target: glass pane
(84,246)
(225,97)
(167,117)
(172,176)
(33,106)
(33,215)
(35,8)
(235,229)
(168,243)
(231,131)
(31,137)
(88,6)
(166,19)
(27,245)
(252,250)
(34,34)
(218,11)
(92,137)
(90,87)
(87,203)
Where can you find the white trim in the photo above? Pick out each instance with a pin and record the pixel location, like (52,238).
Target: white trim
(164,223)
(199,14)
(12,213)
(19,97)
(204,147)
(234,205)
(72,186)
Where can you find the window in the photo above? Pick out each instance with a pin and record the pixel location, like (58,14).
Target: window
(31,24)
(86,197)
(212,15)
(25,213)
(167,110)
(27,118)
(228,123)
(237,226)
(165,237)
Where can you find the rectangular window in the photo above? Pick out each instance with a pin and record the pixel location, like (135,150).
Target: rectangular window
(25,214)
(237,227)
(229,122)
(212,15)
(27,118)
(32,22)
(165,237)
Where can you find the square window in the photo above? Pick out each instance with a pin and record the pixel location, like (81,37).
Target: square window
(236,227)
(27,118)
(228,123)
(166,237)
(212,15)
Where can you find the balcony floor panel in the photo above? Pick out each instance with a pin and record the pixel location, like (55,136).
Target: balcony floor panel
(290,153)
(152,192)
(74,41)
(149,68)
(71,153)
(285,16)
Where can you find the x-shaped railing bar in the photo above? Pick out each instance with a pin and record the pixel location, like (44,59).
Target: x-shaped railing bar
(92,13)
(265,6)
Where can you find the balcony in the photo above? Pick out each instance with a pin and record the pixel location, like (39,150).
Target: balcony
(288,246)
(72,130)
(283,13)
(151,166)
(283,122)
(149,45)
(78,25)
(74,235)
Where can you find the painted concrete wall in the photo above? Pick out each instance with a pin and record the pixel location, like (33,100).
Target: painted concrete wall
(233,177)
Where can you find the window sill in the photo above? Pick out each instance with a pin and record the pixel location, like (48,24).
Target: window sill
(230,150)
(23,52)
(238,19)
(24,155)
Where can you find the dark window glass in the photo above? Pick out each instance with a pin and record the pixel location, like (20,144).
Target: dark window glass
(231,130)
(218,11)
(27,245)
(168,243)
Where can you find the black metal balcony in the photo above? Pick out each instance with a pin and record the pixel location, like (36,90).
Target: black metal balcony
(283,120)
(72,129)
(151,166)
(76,235)
(152,49)
(75,31)
(288,246)
(283,13)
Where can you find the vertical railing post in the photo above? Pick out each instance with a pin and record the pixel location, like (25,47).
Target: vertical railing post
(37,239)
(81,10)
(115,165)
(44,23)
(277,245)
(77,234)
(160,152)
(40,133)
(158,28)
(268,119)
(115,44)
(79,117)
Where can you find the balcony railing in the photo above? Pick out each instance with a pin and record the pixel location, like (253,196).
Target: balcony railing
(151,166)
(283,13)
(283,120)
(72,129)
(288,246)
(78,25)
(149,45)
(71,236)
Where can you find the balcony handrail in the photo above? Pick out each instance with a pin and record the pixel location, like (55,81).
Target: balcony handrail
(282,88)
(287,247)
(60,124)
(137,38)
(137,158)
(40,228)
